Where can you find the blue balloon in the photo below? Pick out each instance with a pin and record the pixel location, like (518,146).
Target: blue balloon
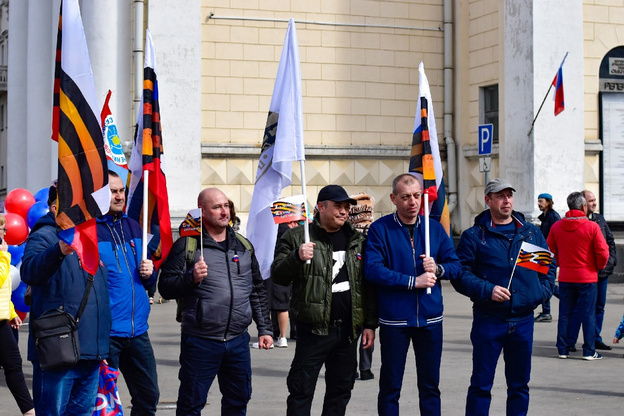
(42,195)
(38,210)
(16,253)
(18,298)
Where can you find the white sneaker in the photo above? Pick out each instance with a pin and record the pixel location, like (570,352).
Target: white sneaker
(594,357)
(282,343)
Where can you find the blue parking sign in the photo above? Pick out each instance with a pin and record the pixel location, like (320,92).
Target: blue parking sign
(486,135)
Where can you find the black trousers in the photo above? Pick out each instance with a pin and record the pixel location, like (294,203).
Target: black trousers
(339,354)
(11,362)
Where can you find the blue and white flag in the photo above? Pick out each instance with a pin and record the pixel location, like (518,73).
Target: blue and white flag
(281,146)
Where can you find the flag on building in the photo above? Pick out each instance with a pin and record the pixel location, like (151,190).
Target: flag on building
(148,155)
(425,160)
(83,192)
(112,143)
(191,225)
(534,257)
(558,84)
(281,146)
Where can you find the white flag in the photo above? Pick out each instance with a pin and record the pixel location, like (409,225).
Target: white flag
(282,145)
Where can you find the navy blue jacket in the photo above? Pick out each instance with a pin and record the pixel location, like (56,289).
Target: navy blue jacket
(488,259)
(59,282)
(548,219)
(119,243)
(392,265)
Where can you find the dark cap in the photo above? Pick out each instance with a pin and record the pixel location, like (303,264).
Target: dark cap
(334,193)
(497,185)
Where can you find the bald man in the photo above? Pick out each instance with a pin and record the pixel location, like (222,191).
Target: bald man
(220,290)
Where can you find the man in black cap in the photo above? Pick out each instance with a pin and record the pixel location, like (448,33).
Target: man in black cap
(330,303)
(502,307)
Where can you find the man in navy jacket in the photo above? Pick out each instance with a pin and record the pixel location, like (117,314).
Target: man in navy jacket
(395,262)
(119,243)
(502,306)
(58,281)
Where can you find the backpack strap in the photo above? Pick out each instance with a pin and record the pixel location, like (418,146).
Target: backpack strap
(190,245)
(246,243)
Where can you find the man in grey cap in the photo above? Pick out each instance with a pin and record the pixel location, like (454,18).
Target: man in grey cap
(330,303)
(502,306)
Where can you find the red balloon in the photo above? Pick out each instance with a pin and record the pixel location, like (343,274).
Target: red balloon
(16,229)
(19,201)
(21,314)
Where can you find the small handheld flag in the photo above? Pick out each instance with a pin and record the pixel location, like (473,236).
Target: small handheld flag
(288,209)
(532,257)
(191,226)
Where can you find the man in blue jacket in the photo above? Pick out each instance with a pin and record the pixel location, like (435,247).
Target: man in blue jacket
(502,306)
(119,243)
(58,281)
(395,262)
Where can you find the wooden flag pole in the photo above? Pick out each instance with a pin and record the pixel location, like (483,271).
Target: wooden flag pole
(427,242)
(145,213)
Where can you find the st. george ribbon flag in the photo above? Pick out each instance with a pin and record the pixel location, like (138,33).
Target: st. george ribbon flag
(149,205)
(425,160)
(281,146)
(83,192)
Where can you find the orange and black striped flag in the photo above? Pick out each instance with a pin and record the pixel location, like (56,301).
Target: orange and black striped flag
(148,155)
(425,162)
(83,192)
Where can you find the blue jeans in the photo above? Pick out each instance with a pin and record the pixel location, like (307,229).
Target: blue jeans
(427,344)
(69,392)
(489,337)
(134,357)
(201,360)
(577,303)
(339,354)
(601,302)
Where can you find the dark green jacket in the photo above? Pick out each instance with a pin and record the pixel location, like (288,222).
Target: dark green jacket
(312,283)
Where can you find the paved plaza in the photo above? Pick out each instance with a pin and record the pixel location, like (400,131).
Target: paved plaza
(558,387)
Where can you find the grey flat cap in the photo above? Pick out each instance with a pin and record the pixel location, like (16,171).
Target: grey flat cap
(497,185)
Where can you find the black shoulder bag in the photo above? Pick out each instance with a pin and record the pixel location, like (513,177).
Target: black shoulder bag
(56,335)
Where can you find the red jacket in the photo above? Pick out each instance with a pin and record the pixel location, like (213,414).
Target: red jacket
(579,248)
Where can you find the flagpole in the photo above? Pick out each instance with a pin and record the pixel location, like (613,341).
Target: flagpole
(427,242)
(145,213)
(544,100)
(306,226)
(514,268)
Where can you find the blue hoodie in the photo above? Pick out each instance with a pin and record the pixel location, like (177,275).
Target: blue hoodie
(119,242)
(59,282)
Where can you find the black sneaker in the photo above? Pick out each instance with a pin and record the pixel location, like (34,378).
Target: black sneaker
(543,317)
(602,346)
(366,375)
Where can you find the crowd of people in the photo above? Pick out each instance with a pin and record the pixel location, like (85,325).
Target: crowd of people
(339,284)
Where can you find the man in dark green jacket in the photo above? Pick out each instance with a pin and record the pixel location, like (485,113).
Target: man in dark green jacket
(330,303)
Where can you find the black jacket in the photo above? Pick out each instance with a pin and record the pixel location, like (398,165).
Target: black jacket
(221,306)
(606,232)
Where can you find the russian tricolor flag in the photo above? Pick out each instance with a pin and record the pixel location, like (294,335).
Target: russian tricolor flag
(558,84)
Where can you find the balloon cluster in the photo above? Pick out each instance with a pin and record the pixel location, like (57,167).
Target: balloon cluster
(23,210)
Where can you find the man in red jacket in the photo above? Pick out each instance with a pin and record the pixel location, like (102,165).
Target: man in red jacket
(581,251)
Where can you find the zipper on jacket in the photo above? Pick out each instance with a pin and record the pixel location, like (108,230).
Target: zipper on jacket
(122,247)
(227,326)
(415,277)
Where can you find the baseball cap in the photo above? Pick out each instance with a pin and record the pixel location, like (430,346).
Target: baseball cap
(334,193)
(497,185)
